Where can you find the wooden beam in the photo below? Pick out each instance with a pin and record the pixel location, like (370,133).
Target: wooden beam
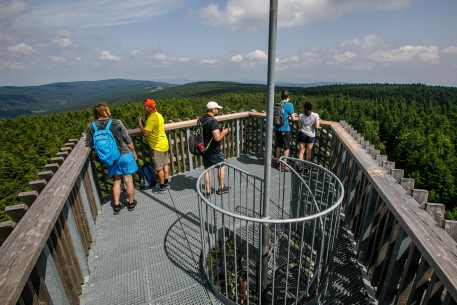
(16,212)
(6,227)
(38,185)
(28,198)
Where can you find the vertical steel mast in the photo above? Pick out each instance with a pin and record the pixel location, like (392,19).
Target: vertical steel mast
(268,142)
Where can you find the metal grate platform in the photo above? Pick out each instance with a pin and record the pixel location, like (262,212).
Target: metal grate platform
(151,255)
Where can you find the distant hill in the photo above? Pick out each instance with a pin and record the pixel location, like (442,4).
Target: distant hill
(57,97)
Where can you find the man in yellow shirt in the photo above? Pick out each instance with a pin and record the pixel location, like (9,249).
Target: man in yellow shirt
(157,139)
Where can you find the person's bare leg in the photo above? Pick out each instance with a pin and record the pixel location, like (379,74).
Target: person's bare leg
(116,189)
(160,176)
(165,171)
(309,148)
(130,187)
(207,185)
(220,177)
(301,153)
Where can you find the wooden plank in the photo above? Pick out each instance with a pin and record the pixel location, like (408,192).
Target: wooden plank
(46,175)
(38,185)
(58,160)
(437,247)
(6,227)
(28,198)
(32,231)
(53,167)
(16,212)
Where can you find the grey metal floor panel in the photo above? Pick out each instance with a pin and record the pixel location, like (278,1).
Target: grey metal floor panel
(151,254)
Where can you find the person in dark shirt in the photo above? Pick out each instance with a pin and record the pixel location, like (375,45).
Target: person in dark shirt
(126,164)
(212,135)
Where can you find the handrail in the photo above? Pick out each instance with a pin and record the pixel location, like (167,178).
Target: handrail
(435,245)
(407,254)
(20,251)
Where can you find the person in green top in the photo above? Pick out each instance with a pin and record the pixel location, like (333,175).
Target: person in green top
(157,139)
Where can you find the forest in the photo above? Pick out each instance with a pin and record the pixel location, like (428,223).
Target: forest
(415,125)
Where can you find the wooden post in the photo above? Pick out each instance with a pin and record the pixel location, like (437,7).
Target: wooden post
(397,174)
(437,211)
(6,227)
(58,160)
(38,185)
(450,226)
(408,184)
(28,197)
(381,159)
(16,212)
(46,175)
(53,167)
(421,197)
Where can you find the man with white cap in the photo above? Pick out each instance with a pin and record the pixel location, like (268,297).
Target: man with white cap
(212,136)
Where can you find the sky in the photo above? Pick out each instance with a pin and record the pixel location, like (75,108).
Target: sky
(178,41)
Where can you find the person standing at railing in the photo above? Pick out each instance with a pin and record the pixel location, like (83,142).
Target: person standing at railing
(154,130)
(308,122)
(212,136)
(126,164)
(282,133)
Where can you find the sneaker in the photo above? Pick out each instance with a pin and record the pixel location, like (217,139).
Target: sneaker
(117,208)
(159,190)
(224,190)
(131,206)
(167,185)
(207,195)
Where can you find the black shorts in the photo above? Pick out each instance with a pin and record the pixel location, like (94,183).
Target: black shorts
(302,138)
(282,139)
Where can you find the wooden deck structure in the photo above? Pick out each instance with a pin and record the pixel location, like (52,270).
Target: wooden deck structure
(409,257)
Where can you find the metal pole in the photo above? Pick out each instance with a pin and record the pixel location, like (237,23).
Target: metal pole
(268,143)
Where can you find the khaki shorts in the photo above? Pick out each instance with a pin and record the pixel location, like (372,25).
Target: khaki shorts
(159,159)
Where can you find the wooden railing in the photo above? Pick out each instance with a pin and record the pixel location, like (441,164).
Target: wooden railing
(409,258)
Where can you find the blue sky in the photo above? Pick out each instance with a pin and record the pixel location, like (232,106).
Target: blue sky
(361,41)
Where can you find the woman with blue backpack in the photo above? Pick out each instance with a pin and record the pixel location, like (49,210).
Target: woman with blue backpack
(114,147)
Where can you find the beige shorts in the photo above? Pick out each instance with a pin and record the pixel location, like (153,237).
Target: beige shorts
(159,159)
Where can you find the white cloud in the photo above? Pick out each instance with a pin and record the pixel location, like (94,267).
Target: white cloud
(212,63)
(407,53)
(10,9)
(450,50)
(257,56)
(164,59)
(106,55)
(344,57)
(57,59)
(136,53)
(368,42)
(249,15)
(237,58)
(21,49)
(64,40)
(100,13)
(183,59)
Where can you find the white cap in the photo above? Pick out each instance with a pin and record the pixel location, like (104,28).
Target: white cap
(212,105)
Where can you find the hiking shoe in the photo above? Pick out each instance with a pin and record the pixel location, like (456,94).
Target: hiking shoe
(131,206)
(159,190)
(223,190)
(117,208)
(207,195)
(167,185)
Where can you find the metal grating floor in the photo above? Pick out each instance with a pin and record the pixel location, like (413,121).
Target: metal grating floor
(151,255)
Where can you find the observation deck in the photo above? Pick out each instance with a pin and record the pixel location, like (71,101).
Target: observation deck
(67,247)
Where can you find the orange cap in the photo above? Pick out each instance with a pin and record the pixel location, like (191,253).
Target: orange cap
(150,102)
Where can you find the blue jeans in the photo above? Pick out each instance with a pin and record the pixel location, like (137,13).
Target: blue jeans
(212,159)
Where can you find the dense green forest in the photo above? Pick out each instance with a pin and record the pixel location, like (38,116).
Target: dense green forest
(415,125)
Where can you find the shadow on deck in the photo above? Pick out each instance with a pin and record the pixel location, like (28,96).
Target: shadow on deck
(152,255)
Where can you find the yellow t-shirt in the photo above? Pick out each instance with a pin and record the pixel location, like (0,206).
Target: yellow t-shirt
(157,139)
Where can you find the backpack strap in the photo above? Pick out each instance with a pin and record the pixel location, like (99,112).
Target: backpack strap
(206,121)
(94,126)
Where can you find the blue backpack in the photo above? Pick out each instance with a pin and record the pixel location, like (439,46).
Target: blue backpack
(105,144)
(148,176)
